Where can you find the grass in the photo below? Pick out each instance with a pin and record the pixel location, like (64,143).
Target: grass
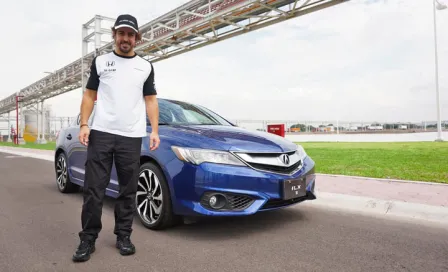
(420,161)
(47,146)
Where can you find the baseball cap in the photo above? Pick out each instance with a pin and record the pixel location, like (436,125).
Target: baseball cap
(126,20)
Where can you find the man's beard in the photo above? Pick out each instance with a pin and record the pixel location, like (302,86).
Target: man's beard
(125,47)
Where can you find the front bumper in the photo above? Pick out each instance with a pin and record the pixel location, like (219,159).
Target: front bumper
(245,190)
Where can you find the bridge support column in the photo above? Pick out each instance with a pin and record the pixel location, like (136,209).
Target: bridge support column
(42,119)
(21,128)
(37,124)
(9,128)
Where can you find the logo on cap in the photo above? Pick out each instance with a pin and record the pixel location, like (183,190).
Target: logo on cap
(126,20)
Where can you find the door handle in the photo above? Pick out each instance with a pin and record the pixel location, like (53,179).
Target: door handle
(69,137)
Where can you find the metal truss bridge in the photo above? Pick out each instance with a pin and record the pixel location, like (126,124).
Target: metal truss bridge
(191,26)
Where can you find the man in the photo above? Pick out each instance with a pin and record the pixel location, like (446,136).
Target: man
(123,85)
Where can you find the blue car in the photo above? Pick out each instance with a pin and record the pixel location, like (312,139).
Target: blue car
(204,166)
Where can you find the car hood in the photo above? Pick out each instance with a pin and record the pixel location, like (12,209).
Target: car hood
(227,138)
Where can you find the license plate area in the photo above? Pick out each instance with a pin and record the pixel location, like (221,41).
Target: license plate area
(293,188)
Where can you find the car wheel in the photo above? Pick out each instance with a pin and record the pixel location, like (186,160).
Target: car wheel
(62,178)
(153,199)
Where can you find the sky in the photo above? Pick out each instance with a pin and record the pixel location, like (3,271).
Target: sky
(363,60)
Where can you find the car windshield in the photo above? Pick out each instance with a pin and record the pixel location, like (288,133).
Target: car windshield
(181,113)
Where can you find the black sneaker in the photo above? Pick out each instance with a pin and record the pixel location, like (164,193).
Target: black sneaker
(125,245)
(83,251)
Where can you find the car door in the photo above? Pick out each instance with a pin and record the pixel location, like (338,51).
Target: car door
(75,151)
(80,155)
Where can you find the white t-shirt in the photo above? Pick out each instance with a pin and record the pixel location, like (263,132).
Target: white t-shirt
(121,83)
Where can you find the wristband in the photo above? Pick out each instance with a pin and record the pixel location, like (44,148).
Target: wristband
(84,125)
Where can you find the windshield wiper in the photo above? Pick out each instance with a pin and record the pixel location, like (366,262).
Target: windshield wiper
(202,124)
(160,124)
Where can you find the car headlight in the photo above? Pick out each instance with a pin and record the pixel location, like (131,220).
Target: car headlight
(301,152)
(198,156)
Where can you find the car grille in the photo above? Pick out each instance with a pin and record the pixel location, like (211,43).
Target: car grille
(276,203)
(272,162)
(276,169)
(239,202)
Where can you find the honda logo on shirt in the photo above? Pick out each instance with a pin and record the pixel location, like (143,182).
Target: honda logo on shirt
(109,65)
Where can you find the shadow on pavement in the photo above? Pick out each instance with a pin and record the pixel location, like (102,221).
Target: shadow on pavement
(223,228)
(219,228)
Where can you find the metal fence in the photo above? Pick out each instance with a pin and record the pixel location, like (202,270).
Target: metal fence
(296,126)
(291,126)
(55,125)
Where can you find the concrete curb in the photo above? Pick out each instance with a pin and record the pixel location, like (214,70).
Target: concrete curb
(27,154)
(385,180)
(379,207)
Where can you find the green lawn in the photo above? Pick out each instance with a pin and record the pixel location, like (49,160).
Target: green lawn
(47,146)
(422,161)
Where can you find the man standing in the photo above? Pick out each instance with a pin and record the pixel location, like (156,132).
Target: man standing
(123,85)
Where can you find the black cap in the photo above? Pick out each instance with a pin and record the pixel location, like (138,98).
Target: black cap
(126,20)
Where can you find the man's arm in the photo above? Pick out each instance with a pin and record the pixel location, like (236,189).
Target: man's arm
(89,95)
(88,101)
(152,109)
(152,106)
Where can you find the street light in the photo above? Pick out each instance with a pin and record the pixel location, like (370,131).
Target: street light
(439,6)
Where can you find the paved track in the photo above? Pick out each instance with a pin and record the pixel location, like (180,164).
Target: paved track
(39,226)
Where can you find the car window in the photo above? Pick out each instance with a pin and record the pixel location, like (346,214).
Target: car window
(195,117)
(77,121)
(215,115)
(182,113)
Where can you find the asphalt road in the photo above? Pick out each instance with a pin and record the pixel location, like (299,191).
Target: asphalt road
(39,226)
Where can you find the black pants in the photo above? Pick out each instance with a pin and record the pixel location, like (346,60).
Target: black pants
(102,149)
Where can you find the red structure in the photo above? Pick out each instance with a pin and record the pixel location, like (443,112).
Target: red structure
(13,134)
(277,129)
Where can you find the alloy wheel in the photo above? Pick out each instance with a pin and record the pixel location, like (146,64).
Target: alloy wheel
(149,197)
(61,172)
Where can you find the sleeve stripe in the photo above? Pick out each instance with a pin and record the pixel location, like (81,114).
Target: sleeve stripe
(94,79)
(149,87)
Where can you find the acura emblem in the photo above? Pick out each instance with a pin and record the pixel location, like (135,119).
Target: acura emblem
(285,158)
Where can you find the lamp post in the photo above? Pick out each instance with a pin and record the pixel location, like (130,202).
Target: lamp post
(439,6)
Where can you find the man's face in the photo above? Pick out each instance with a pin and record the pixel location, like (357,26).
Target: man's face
(125,39)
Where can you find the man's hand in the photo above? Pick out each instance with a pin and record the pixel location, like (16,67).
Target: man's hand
(84,133)
(154,141)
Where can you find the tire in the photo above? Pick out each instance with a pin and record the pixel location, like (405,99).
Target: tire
(156,200)
(62,178)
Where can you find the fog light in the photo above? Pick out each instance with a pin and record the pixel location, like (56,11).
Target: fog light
(213,201)
(217,201)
